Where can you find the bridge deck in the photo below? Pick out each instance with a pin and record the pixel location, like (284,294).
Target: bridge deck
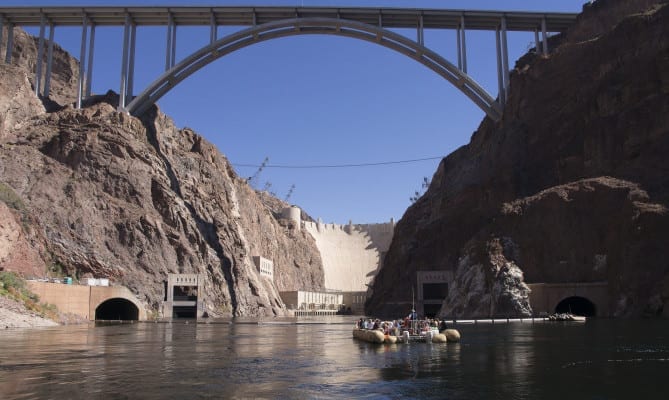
(247,16)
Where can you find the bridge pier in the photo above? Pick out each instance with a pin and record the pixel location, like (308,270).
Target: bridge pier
(461,45)
(500,72)
(170,51)
(43,80)
(544,35)
(505,58)
(82,60)
(124,63)
(213,28)
(40,55)
(49,61)
(89,68)
(10,43)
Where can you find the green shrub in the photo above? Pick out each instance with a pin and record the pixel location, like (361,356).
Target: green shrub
(12,285)
(9,280)
(9,197)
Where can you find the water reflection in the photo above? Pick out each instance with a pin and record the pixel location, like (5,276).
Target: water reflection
(281,359)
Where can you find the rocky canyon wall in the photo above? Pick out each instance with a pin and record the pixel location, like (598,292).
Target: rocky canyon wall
(95,192)
(570,186)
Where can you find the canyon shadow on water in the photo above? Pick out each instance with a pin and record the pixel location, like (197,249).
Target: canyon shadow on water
(318,358)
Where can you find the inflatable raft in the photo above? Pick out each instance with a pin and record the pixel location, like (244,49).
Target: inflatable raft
(377,336)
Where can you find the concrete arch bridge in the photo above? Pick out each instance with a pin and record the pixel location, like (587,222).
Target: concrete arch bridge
(265,23)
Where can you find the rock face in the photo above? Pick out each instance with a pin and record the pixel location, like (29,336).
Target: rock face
(65,69)
(109,195)
(17,102)
(572,182)
(487,284)
(17,252)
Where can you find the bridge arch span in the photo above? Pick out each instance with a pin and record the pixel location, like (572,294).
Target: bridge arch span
(314,25)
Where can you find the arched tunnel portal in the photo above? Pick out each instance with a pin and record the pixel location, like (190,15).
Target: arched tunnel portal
(117,309)
(577,305)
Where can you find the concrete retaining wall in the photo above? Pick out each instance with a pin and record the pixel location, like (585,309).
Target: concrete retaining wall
(74,299)
(80,299)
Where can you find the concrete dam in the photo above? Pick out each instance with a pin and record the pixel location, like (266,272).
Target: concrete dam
(351,254)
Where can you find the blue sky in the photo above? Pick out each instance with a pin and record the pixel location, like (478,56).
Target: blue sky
(314,100)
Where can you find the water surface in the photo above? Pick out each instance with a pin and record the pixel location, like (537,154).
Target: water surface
(601,359)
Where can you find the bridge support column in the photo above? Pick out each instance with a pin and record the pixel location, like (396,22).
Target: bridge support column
(40,55)
(124,64)
(131,65)
(49,61)
(421,32)
(173,52)
(544,35)
(171,49)
(2,26)
(10,43)
(537,43)
(89,68)
(82,60)
(463,48)
(500,75)
(168,49)
(505,59)
(458,47)
(213,29)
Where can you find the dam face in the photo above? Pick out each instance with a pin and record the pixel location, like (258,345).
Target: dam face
(351,254)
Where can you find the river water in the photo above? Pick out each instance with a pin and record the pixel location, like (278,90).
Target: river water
(318,358)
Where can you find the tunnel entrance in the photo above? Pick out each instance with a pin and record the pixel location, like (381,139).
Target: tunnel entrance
(117,309)
(576,305)
(184,312)
(185,302)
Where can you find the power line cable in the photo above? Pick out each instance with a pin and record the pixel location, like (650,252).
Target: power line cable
(340,165)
